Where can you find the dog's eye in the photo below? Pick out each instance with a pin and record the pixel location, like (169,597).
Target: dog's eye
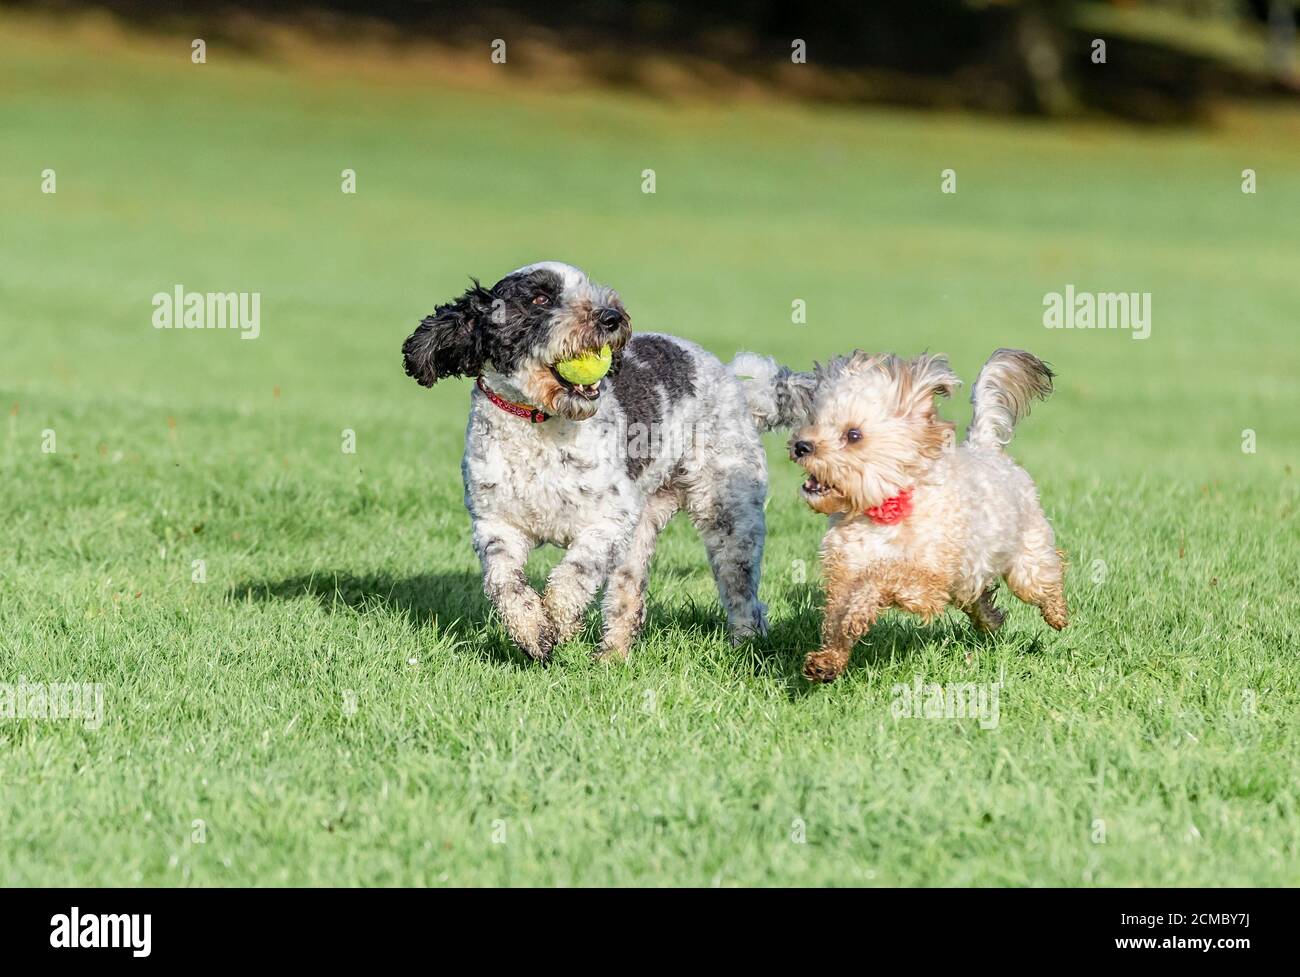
(541,298)
(852,435)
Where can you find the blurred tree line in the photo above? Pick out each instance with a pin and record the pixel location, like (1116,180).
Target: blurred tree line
(1161,60)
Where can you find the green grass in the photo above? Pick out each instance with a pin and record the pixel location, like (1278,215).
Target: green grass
(334,578)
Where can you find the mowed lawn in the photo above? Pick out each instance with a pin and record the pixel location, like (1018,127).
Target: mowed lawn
(332,702)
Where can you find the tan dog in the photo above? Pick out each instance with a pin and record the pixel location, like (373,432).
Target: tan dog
(916,520)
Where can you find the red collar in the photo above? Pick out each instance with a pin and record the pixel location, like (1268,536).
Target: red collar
(534,414)
(893,510)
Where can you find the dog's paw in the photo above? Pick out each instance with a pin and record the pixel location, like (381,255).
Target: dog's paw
(539,645)
(754,626)
(565,613)
(823,666)
(609,655)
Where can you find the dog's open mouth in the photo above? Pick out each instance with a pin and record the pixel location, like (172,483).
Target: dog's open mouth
(589,391)
(813,489)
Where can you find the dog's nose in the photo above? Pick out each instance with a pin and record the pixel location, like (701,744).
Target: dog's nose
(802,448)
(610,318)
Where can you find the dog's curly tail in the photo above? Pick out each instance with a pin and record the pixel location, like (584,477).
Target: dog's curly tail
(1002,394)
(777,396)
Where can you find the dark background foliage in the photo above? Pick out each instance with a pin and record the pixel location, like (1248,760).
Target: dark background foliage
(1013,56)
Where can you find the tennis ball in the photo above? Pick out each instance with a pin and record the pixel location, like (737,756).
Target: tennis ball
(586,367)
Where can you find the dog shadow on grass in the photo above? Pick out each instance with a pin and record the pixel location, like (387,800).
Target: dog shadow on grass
(895,638)
(791,636)
(454,600)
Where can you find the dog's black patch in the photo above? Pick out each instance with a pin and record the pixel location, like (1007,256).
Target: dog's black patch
(653,369)
(517,325)
(502,325)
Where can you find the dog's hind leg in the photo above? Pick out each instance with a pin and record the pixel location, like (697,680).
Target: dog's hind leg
(727,509)
(624,601)
(984,614)
(503,550)
(1037,575)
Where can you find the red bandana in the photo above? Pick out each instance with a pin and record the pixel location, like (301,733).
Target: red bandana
(534,414)
(893,510)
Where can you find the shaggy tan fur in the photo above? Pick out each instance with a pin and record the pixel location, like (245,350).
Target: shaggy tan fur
(975,518)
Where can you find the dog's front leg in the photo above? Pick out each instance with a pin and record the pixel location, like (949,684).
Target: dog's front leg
(574,581)
(852,606)
(503,550)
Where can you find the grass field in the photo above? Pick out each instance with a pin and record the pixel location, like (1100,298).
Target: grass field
(334,704)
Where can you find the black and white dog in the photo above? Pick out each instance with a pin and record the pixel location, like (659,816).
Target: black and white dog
(600,468)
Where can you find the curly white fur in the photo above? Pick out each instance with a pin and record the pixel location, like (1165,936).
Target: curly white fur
(670,429)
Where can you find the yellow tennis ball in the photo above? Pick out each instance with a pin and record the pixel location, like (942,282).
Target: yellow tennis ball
(586,367)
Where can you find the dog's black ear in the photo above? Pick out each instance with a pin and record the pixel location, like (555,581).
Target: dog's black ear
(449,343)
